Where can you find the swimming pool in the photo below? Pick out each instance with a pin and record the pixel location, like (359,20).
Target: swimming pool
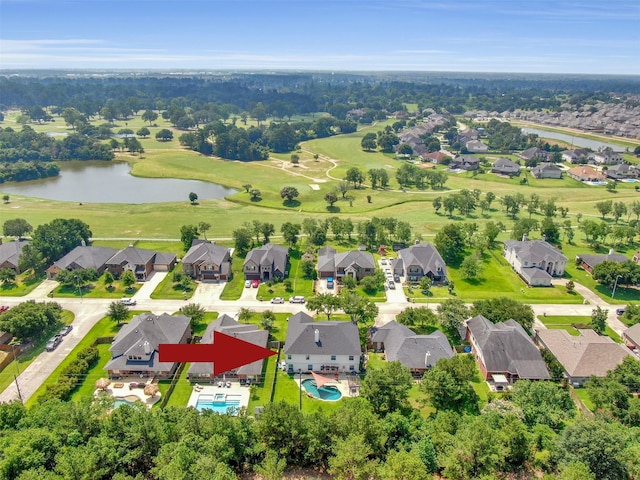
(128,400)
(219,403)
(325,392)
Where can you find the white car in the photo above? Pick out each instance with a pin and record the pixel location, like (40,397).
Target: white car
(129,302)
(296,299)
(277,300)
(247,284)
(383,261)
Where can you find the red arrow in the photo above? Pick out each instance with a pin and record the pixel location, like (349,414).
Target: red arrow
(226,353)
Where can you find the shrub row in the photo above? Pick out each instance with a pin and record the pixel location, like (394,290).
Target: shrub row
(72,376)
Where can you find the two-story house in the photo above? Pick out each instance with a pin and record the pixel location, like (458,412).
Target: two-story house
(466,162)
(321,347)
(207,261)
(418,261)
(536,261)
(266,263)
(355,263)
(140,261)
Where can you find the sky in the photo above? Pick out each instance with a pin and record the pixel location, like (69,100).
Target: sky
(534,36)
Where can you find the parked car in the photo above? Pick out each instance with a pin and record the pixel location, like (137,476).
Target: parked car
(391,285)
(620,311)
(129,302)
(255,283)
(396,278)
(247,284)
(53,343)
(65,330)
(383,261)
(277,300)
(297,299)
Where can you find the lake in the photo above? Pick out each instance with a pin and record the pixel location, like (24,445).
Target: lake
(110,182)
(576,141)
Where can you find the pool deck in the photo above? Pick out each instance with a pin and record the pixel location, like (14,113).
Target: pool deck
(342,384)
(236,389)
(121,389)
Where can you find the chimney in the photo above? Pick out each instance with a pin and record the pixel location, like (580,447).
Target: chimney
(316,336)
(147,348)
(83,243)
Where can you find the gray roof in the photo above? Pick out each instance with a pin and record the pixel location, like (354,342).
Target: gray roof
(585,355)
(533,152)
(505,165)
(534,251)
(355,258)
(326,259)
(467,158)
(506,347)
(403,345)
(132,255)
(10,251)
(532,273)
(424,255)
(269,254)
(546,167)
(593,260)
(336,338)
(206,253)
(86,257)
(633,333)
(229,326)
(143,334)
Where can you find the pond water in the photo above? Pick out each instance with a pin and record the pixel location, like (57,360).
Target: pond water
(576,141)
(110,182)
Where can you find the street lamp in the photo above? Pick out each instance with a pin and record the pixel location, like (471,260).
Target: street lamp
(300,373)
(615,285)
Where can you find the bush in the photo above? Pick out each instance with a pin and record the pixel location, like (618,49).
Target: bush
(72,375)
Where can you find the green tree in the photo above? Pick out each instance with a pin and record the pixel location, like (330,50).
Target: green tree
(117,312)
(16,227)
(290,232)
(545,403)
(289,193)
(471,267)
(326,303)
(417,316)
(193,198)
(355,176)
(450,243)
(501,309)
(7,276)
(128,279)
(194,311)
(267,319)
(403,465)
(373,283)
(368,142)
(164,135)
(599,319)
(425,285)
(55,239)
(352,459)
(331,198)
(31,258)
(247,187)
(188,233)
(244,315)
(448,385)
(143,132)
(452,313)
(360,309)
(387,387)
(203,227)
(272,466)
(242,239)
(604,207)
(30,319)
(255,194)
(108,280)
(149,116)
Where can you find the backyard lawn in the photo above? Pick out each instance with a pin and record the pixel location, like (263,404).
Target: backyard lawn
(567,322)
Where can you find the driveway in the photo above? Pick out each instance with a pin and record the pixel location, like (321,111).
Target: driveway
(147,288)
(208,293)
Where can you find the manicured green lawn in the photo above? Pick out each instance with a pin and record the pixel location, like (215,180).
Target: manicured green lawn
(168,289)
(234,287)
(181,391)
(97,289)
(24,283)
(23,361)
(261,393)
(104,328)
(299,284)
(583,395)
(566,322)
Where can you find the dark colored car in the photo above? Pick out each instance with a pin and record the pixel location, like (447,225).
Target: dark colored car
(53,343)
(66,330)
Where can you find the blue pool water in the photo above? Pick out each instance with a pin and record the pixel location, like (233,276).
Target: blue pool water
(119,401)
(325,392)
(220,403)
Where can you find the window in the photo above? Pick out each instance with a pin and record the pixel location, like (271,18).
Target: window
(333,357)
(350,357)
(352,368)
(310,367)
(288,357)
(307,357)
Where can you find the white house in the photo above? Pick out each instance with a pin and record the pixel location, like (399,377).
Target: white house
(322,347)
(536,261)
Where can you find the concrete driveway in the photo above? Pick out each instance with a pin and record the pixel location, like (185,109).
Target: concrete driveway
(208,293)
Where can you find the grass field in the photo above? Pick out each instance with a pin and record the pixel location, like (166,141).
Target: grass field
(23,284)
(560,322)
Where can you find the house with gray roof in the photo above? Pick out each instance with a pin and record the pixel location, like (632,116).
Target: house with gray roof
(589,354)
(201,371)
(417,352)
(134,351)
(140,261)
(536,261)
(534,153)
(546,170)
(505,348)
(355,263)
(10,254)
(631,337)
(578,155)
(504,166)
(81,258)
(322,347)
(207,261)
(266,263)
(418,261)
(622,171)
(476,146)
(589,261)
(608,157)
(466,162)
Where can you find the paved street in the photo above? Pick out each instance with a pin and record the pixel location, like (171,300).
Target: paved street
(89,310)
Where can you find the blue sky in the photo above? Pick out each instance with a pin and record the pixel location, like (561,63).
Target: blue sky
(560,36)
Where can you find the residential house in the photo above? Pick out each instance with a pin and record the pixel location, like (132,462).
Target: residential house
(505,348)
(586,355)
(534,153)
(10,253)
(321,347)
(622,171)
(81,258)
(536,261)
(476,146)
(266,263)
(504,166)
(434,157)
(589,261)
(134,351)
(200,371)
(417,352)
(608,157)
(356,263)
(466,162)
(578,155)
(546,170)
(207,261)
(140,261)
(631,337)
(418,261)
(586,174)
